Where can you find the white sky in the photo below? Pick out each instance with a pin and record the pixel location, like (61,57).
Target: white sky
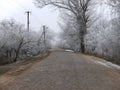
(16,9)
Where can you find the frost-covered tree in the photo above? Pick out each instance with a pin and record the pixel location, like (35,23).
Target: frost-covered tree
(80,9)
(15,43)
(103,36)
(70,33)
(12,38)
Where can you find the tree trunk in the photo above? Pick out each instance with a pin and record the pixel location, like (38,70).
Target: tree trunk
(84,23)
(16,55)
(81,34)
(18,51)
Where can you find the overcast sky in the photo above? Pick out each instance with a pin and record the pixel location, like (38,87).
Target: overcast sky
(16,9)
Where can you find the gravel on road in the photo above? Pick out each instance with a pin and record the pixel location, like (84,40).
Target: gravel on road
(67,71)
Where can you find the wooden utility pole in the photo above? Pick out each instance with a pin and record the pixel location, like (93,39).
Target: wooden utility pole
(28,29)
(44,33)
(28,20)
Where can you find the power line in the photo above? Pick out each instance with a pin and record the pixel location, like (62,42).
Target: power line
(19,5)
(23,8)
(15,4)
(35,16)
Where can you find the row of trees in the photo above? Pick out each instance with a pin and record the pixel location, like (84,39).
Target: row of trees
(103,38)
(90,26)
(103,31)
(14,42)
(79,8)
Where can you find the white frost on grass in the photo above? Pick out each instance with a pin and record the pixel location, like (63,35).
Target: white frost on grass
(107,64)
(69,51)
(113,65)
(101,63)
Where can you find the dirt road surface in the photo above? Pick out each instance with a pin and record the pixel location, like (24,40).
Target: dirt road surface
(67,71)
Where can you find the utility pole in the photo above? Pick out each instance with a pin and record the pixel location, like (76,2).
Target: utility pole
(44,33)
(28,20)
(28,29)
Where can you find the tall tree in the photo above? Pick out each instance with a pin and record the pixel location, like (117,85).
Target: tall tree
(79,8)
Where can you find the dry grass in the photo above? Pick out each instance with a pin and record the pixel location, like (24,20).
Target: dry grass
(21,66)
(4,69)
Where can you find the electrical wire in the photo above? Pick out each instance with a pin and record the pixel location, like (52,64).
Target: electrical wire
(16,3)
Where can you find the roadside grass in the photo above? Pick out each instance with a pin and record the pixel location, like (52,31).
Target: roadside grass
(21,66)
(107,58)
(4,69)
